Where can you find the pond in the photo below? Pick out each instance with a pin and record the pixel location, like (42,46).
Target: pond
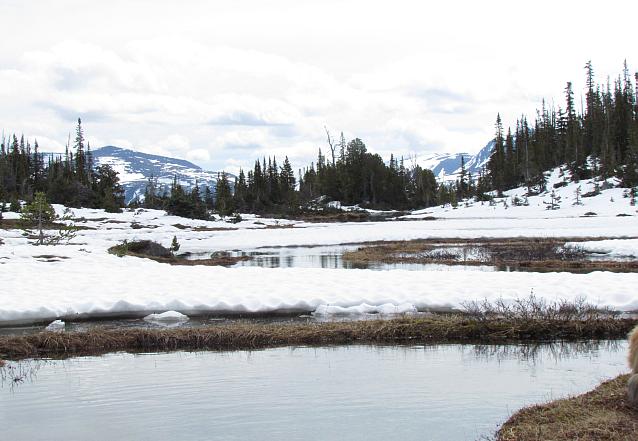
(330,256)
(468,257)
(447,392)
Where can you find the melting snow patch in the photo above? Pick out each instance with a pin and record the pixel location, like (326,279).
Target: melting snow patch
(56,325)
(168,316)
(364,308)
(610,247)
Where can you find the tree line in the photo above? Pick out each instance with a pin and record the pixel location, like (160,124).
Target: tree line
(600,139)
(352,175)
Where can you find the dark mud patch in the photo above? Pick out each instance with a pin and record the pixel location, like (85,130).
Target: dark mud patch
(159,253)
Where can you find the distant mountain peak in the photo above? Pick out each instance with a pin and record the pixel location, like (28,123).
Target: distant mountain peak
(447,166)
(135,168)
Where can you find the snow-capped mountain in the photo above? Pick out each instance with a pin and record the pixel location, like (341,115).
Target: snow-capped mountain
(447,166)
(135,168)
(478,161)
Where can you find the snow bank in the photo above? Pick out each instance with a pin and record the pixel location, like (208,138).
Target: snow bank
(168,316)
(610,248)
(75,288)
(364,308)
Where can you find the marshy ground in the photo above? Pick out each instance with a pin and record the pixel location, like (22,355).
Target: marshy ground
(601,414)
(155,251)
(481,326)
(525,253)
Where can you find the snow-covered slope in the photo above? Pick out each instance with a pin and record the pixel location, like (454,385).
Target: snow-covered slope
(71,284)
(443,164)
(135,168)
(478,161)
(447,166)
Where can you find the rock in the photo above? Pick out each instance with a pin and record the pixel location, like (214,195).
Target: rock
(168,316)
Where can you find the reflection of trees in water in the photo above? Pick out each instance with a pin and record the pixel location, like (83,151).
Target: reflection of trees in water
(539,352)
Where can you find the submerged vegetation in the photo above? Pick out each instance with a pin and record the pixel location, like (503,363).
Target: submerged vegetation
(601,414)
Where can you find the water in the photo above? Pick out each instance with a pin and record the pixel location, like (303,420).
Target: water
(330,256)
(450,392)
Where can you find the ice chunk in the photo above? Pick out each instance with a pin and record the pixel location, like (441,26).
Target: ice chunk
(168,316)
(56,325)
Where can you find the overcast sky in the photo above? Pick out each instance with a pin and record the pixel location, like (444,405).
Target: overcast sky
(221,83)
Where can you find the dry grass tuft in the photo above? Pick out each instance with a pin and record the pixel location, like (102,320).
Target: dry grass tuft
(453,328)
(538,253)
(602,414)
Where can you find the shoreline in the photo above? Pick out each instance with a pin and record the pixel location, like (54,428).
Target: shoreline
(599,414)
(521,253)
(247,336)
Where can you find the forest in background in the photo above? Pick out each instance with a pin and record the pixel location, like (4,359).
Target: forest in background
(600,140)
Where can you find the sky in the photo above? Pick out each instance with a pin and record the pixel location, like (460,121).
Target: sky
(223,83)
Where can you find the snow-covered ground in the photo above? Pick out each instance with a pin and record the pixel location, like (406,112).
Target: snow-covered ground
(85,280)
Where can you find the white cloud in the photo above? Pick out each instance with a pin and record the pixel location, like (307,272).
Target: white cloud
(221,84)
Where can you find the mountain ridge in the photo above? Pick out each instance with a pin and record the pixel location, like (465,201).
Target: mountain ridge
(447,166)
(135,168)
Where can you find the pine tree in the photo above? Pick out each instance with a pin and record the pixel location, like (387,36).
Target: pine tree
(496,163)
(223,196)
(174,245)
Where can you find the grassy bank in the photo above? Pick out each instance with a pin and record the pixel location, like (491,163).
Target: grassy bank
(534,253)
(602,414)
(455,328)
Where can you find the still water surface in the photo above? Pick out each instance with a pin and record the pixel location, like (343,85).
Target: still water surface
(328,256)
(449,392)
(331,256)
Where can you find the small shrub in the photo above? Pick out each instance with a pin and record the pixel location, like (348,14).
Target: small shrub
(174,245)
(14,206)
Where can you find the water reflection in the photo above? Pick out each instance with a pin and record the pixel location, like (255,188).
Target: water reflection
(327,257)
(467,256)
(543,352)
(444,392)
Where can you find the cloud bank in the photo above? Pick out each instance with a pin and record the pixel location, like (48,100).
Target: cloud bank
(223,84)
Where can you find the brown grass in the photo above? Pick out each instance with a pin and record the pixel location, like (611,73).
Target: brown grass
(345,216)
(449,328)
(201,228)
(602,414)
(541,253)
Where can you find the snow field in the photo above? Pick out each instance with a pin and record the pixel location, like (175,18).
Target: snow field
(82,279)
